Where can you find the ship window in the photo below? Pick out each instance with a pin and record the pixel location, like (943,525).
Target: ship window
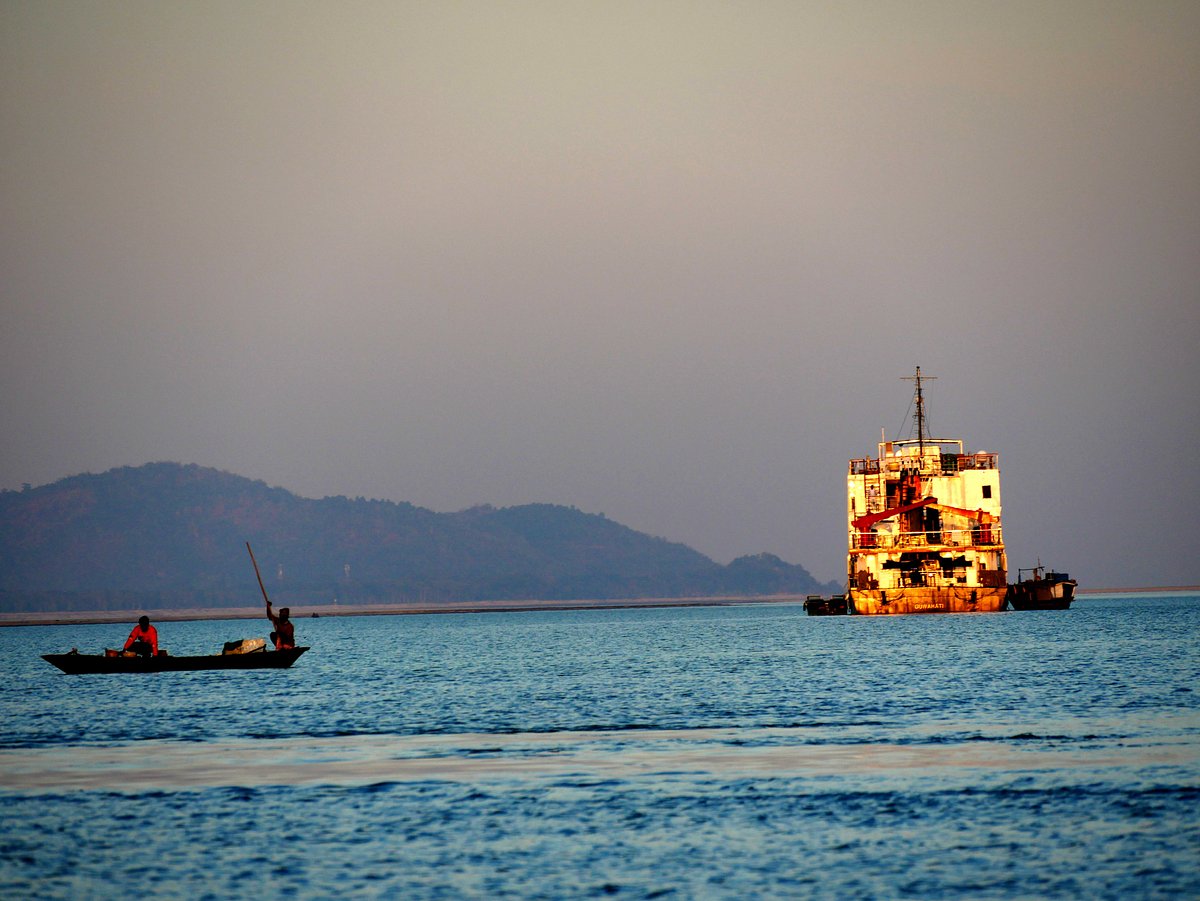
(987,490)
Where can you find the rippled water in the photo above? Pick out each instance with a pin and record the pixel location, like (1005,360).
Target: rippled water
(686,753)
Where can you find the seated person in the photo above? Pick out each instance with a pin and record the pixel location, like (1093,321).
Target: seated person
(143,639)
(284,636)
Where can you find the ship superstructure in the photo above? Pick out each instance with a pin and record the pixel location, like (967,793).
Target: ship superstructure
(924,526)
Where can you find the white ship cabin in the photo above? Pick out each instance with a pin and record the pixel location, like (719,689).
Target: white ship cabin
(924,493)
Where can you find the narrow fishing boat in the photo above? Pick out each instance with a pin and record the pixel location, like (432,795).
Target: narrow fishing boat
(88,664)
(244,653)
(1042,590)
(924,526)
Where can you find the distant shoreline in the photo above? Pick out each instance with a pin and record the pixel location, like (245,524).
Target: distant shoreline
(100,617)
(1166,589)
(88,617)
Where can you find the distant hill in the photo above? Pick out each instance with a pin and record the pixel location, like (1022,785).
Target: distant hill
(168,535)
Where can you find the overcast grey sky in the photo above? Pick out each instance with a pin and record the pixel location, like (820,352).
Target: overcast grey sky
(665,261)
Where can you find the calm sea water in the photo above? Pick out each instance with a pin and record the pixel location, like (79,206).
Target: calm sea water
(683,753)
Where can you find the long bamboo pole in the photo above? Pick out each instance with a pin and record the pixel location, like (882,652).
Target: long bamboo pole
(262,587)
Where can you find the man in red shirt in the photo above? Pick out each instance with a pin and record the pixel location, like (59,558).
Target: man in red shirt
(284,635)
(143,639)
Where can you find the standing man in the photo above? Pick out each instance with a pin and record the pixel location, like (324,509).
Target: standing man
(143,639)
(284,635)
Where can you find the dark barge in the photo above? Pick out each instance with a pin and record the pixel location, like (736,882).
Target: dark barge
(816,605)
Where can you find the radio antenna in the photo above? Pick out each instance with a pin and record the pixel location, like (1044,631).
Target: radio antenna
(919,415)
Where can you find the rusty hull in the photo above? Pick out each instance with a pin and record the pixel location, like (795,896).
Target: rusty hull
(878,602)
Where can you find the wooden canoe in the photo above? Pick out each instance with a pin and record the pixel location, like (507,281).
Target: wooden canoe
(79,664)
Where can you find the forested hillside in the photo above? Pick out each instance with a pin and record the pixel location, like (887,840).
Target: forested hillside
(167,535)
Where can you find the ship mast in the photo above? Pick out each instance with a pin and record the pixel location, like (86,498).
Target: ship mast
(919,415)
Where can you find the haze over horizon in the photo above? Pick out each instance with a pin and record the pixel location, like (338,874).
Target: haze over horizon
(668,262)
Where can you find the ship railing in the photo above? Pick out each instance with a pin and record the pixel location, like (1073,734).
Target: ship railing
(978,461)
(864,467)
(928,466)
(986,536)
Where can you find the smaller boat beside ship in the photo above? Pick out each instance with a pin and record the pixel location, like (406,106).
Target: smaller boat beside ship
(818,605)
(1042,590)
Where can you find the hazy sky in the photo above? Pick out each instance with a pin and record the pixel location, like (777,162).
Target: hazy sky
(665,261)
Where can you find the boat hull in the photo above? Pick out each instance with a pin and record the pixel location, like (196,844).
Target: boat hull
(1041,595)
(815,605)
(89,664)
(891,601)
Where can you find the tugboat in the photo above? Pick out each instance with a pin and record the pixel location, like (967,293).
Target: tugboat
(818,605)
(1042,590)
(924,530)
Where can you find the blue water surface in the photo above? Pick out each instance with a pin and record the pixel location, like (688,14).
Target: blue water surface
(703,752)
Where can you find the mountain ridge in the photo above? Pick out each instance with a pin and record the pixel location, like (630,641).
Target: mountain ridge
(168,535)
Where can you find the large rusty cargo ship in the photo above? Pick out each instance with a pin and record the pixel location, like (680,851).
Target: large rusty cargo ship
(924,526)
